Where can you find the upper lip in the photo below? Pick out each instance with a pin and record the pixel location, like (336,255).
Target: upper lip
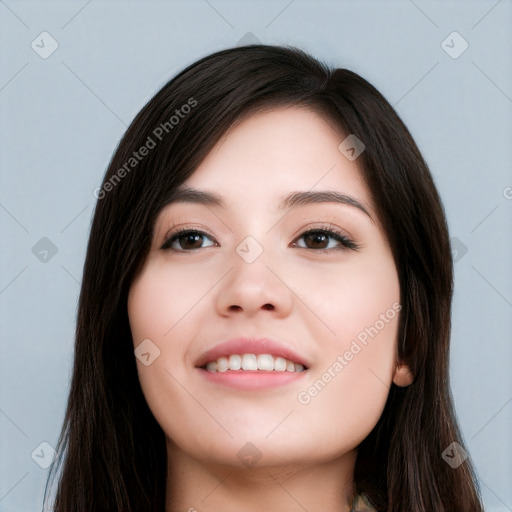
(250,346)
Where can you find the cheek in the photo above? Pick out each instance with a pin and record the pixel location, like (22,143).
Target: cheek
(160,297)
(348,298)
(347,391)
(343,407)
(158,302)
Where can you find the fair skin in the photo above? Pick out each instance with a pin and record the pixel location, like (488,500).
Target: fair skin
(203,292)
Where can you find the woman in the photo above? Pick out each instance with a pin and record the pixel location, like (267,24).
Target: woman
(269,243)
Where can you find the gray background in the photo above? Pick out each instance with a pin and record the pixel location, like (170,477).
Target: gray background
(61,118)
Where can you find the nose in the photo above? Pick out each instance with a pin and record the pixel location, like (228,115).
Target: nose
(252,287)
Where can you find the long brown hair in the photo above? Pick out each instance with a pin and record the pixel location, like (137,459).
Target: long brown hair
(112,451)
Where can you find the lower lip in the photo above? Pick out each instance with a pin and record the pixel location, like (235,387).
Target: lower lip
(251,379)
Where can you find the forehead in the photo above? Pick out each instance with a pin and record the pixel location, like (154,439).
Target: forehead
(271,153)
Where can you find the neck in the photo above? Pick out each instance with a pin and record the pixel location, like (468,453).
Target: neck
(202,486)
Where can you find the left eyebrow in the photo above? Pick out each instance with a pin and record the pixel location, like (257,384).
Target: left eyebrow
(324,196)
(294,199)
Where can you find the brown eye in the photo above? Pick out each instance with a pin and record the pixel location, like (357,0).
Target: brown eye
(316,240)
(325,240)
(190,241)
(186,241)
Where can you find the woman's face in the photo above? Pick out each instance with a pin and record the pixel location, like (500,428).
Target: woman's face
(248,273)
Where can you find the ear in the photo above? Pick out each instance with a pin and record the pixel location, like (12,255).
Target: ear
(403,376)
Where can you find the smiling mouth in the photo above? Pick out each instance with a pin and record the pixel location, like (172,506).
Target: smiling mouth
(253,362)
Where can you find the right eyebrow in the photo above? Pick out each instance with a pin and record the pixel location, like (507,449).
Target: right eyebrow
(193,195)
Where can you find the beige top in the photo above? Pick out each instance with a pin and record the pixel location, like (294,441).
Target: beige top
(361,503)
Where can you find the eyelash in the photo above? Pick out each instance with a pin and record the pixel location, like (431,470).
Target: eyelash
(343,239)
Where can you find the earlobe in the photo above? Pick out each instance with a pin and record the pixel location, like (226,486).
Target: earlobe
(403,376)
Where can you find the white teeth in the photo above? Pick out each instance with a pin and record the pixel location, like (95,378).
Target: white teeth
(212,366)
(222,364)
(249,362)
(264,362)
(280,364)
(235,362)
